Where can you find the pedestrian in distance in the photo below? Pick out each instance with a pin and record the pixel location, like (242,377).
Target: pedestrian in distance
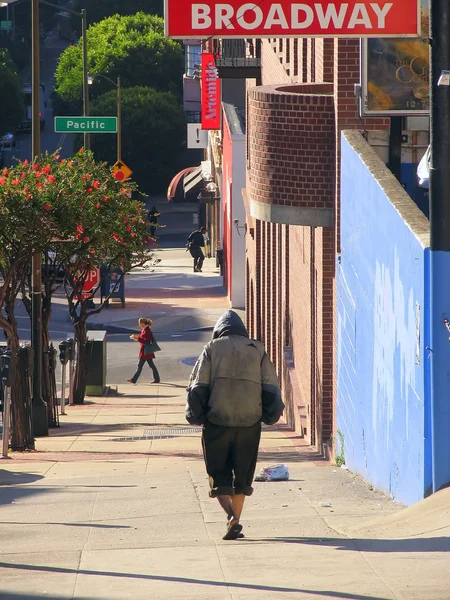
(232,390)
(195,243)
(148,347)
(153,215)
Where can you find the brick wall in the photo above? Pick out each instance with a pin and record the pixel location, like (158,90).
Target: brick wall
(291,145)
(291,268)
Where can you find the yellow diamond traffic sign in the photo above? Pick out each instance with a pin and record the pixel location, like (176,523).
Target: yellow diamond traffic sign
(121,171)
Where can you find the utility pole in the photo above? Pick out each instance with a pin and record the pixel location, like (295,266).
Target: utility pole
(39,407)
(119,122)
(87,137)
(440,243)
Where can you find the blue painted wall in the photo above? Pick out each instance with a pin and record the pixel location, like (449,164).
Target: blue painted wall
(383,398)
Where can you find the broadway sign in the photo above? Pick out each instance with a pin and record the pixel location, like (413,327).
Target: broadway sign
(237,19)
(211,93)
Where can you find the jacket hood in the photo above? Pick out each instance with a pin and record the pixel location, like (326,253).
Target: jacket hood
(230,323)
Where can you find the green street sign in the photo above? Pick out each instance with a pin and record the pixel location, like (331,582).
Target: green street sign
(6,25)
(86,124)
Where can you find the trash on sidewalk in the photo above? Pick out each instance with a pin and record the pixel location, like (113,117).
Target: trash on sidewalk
(273,473)
(324,504)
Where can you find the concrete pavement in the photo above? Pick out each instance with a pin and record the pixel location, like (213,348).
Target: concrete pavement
(114,503)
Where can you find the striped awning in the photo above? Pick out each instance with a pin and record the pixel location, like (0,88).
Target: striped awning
(192,179)
(188,172)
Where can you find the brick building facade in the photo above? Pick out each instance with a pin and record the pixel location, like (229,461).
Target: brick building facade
(294,120)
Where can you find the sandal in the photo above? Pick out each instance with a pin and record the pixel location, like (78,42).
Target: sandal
(233,531)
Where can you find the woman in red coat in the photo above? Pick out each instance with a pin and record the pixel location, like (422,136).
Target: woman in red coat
(145,337)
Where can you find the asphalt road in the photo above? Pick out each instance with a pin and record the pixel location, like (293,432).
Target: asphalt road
(122,353)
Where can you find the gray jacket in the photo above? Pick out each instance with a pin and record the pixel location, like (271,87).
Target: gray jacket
(233,383)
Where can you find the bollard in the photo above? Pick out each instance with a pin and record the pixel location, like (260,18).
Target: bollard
(7,362)
(6,420)
(71,381)
(63,389)
(71,351)
(64,358)
(30,365)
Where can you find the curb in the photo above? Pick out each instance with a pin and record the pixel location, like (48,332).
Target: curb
(109,328)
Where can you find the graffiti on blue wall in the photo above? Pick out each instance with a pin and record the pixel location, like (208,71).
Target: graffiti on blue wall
(382,399)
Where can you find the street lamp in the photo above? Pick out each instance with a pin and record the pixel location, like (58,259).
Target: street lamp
(90,81)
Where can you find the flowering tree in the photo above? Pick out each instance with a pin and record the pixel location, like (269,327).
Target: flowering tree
(26,226)
(79,210)
(110,232)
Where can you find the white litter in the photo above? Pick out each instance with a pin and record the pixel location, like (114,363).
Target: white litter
(273,473)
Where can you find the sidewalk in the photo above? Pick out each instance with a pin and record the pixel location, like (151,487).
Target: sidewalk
(114,504)
(177,299)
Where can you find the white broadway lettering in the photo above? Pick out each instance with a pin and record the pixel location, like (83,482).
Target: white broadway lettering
(301,16)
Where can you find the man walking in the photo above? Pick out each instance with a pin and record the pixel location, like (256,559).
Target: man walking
(152,216)
(195,243)
(232,390)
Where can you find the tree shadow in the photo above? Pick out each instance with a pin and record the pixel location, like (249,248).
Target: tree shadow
(17,478)
(219,584)
(288,454)
(413,544)
(75,429)
(75,524)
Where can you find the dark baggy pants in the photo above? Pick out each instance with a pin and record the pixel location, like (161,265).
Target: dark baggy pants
(198,256)
(230,455)
(140,366)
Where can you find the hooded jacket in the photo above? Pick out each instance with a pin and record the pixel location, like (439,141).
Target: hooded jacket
(233,383)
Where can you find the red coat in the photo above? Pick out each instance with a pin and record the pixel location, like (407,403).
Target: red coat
(145,338)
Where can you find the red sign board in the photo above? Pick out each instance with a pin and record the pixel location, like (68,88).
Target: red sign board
(92,280)
(186,19)
(211,93)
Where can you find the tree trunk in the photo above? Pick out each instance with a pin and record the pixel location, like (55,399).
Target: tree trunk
(22,437)
(83,353)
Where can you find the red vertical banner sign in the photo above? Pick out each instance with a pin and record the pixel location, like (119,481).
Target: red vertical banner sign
(211,93)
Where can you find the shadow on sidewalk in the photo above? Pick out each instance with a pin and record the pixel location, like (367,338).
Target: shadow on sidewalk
(433,544)
(17,478)
(288,454)
(75,524)
(219,584)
